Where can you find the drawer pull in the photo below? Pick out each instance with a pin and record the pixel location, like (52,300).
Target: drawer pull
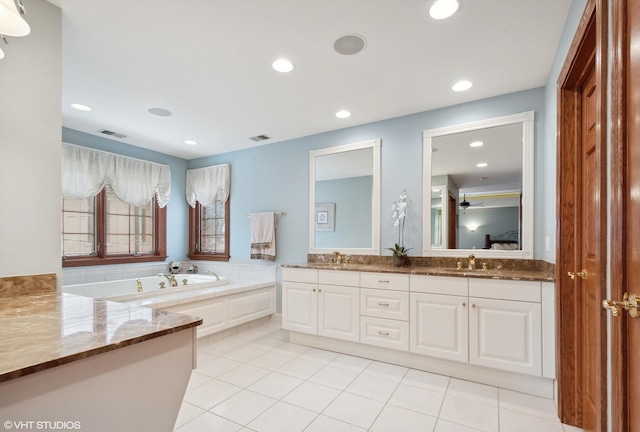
(383,304)
(383,333)
(383,281)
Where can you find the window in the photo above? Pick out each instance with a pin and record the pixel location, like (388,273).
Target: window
(209,231)
(104,230)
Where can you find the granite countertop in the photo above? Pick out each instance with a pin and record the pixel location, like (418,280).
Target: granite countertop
(42,331)
(495,273)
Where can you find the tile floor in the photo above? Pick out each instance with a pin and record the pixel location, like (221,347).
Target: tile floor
(258,381)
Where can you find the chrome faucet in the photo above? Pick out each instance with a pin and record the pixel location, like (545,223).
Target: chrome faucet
(211,272)
(139,285)
(472,262)
(171,278)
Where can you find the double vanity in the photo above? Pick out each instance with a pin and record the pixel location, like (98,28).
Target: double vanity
(495,327)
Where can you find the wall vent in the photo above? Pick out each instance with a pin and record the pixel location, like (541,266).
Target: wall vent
(113,134)
(262,137)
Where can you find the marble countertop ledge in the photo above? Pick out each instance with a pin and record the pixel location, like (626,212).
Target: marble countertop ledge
(507,274)
(42,331)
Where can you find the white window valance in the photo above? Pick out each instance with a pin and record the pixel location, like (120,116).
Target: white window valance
(208,185)
(86,171)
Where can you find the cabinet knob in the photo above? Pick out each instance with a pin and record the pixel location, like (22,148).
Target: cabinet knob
(464,305)
(473,306)
(314,290)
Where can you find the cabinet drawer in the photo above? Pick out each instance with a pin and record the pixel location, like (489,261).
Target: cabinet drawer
(300,275)
(505,290)
(457,286)
(390,281)
(339,277)
(384,304)
(384,333)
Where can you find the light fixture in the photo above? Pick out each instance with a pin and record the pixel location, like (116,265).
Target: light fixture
(282,65)
(442,9)
(343,114)
(461,86)
(476,144)
(11,21)
(472,227)
(191,142)
(80,107)
(482,165)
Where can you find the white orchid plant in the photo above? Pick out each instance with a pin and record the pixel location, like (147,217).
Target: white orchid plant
(399,208)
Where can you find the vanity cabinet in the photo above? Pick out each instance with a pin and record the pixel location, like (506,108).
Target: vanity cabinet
(384,310)
(493,323)
(322,302)
(505,325)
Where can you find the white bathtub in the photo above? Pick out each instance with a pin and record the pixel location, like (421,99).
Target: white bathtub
(127,289)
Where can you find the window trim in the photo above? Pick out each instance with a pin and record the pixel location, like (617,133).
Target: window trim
(194,219)
(101,233)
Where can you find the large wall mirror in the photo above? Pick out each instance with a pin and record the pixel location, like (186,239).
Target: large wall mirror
(344,199)
(478,188)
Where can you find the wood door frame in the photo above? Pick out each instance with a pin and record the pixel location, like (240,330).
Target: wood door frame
(619,194)
(589,45)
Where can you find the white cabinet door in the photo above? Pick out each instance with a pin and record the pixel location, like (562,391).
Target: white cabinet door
(300,307)
(439,326)
(506,335)
(339,312)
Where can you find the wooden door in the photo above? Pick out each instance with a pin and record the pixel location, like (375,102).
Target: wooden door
(625,213)
(452,223)
(587,284)
(582,223)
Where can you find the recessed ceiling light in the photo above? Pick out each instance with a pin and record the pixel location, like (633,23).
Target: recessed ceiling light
(482,165)
(461,86)
(476,144)
(282,65)
(159,111)
(191,143)
(343,114)
(80,107)
(442,9)
(349,44)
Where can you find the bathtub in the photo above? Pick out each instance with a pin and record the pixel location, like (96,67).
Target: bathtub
(127,289)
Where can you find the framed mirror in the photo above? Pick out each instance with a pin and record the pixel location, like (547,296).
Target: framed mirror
(344,199)
(478,188)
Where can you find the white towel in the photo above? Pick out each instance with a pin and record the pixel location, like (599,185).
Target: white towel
(263,236)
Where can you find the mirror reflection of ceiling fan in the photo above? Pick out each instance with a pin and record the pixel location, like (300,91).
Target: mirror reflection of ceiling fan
(464,204)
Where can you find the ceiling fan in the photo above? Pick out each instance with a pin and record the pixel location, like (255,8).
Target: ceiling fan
(464,204)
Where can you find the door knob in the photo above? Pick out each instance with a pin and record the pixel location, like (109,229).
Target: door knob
(629,303)
(582,274)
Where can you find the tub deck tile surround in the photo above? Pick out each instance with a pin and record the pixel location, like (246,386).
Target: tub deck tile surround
(42,331)
(513,269)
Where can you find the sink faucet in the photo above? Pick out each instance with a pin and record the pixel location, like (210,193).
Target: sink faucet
(171,278)
(472,262)
(211,272)
(338,257)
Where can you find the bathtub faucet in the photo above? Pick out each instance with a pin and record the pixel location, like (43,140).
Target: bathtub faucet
(171,278)
(211,272)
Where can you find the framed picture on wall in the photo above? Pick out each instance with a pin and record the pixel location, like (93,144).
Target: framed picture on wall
(325,216)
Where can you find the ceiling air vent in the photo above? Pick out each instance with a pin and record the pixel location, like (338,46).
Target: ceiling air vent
(112,133)
(262,137)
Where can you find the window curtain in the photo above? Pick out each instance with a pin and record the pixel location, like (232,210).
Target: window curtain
(86,171)
(208,185)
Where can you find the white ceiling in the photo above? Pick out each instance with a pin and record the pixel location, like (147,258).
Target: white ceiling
(209,63)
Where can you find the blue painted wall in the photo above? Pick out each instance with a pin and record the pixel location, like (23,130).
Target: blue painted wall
(276,176)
